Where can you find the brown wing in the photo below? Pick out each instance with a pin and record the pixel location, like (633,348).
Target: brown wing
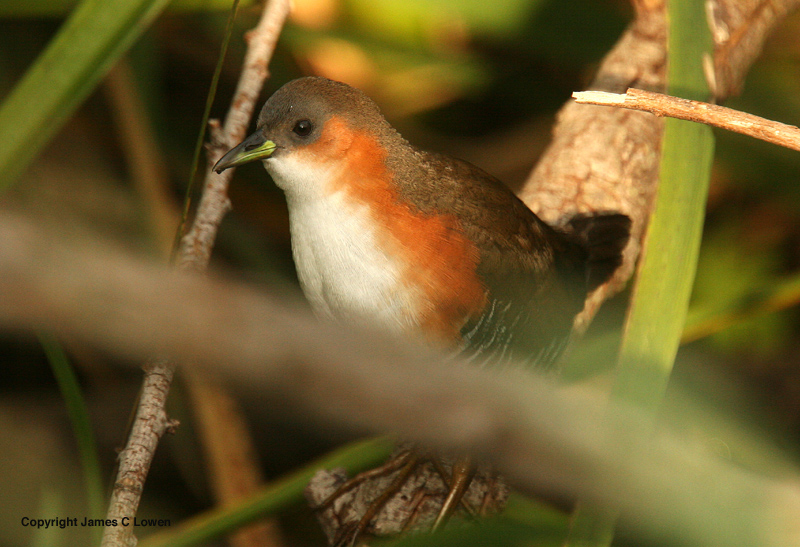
(536,277)
(533,275)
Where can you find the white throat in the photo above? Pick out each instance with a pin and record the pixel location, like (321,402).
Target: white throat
(342,262)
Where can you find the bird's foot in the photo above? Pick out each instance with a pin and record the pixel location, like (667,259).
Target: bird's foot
(412,491)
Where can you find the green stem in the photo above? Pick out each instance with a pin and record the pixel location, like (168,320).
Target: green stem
(81,425)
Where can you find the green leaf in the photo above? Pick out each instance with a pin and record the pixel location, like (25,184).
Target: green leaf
(668,263)
(50,503)
(96,34)
(60,8)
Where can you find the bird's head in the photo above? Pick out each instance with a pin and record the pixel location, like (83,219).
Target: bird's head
(309,127)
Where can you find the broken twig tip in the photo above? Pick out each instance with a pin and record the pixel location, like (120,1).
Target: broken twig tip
(599,97)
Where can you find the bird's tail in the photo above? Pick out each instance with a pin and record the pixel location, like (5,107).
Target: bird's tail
(603,236)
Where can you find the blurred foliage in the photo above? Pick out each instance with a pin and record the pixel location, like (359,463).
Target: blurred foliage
(729,248)
(480,80)
(60,8)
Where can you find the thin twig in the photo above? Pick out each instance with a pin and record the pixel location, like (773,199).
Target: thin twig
(662,105)
(194,254)
(196,245)
(149,424)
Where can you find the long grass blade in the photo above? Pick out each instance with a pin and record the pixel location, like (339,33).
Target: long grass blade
(667,267)
(81,425)
(96,34)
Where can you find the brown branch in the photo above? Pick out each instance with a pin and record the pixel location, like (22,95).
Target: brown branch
(739,29)
(539,435)
(697,111)
(604,159)
(148,426)
(193,255)
(196,245)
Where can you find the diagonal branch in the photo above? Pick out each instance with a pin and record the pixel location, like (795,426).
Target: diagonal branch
(151,422)
(662,105)
(196,245)
(577,174)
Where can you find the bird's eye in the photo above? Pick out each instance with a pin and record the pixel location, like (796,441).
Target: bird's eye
(303,128)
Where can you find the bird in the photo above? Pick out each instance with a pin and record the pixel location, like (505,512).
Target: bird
(418,243)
